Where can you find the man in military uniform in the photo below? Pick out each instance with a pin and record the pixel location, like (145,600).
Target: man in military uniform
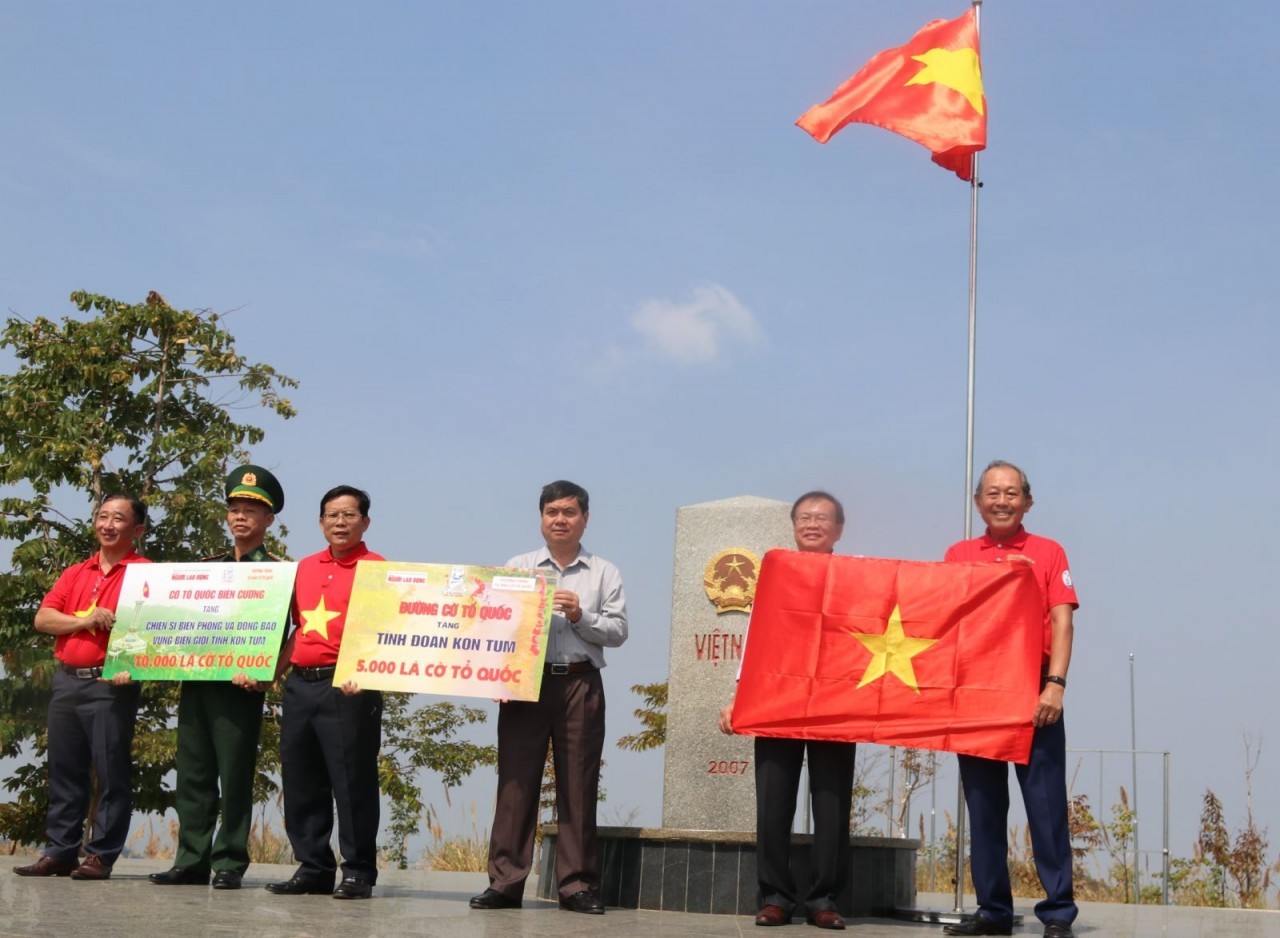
(219,723)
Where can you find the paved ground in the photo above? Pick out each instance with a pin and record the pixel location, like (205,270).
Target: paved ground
(414,902)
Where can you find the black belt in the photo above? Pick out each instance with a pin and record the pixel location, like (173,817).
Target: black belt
(572,667)
(315,674)
(85,674)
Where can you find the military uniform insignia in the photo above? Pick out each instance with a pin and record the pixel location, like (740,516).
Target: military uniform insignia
(730,579)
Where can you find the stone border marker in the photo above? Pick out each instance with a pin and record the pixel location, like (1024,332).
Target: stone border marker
(709,778)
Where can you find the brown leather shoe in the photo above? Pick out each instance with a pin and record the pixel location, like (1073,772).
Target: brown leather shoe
(827,918)
(46,866)
(773,915)
(92,868)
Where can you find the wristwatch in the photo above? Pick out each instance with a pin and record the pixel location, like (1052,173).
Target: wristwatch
(1054,679)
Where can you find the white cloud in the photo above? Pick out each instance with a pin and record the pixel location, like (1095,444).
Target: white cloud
(699,330)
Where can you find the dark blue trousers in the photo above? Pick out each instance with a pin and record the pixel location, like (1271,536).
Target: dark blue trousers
(90,727)
(329,756)
(1043,781)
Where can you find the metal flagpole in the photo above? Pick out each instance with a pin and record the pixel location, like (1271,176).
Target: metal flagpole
(957,914)
(1133,800)
(974,186)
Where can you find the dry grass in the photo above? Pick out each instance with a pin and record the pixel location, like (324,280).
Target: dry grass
(151,843)
(457,854)
(268,843)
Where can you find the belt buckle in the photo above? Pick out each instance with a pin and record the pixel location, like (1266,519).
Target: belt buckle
(559,668)
(85,673)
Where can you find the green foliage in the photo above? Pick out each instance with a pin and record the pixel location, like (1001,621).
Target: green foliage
(652,717)
(424,737)
(1117,837)
(132,398)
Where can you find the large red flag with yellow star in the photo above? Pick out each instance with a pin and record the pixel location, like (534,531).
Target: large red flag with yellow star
(925,655)
(929,90)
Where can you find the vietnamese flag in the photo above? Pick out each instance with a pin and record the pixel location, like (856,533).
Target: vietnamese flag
(929,90)
(905,653)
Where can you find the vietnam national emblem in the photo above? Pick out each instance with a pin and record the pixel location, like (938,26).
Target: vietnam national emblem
(730,579)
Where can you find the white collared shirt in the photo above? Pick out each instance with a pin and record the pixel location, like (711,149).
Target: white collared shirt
(604,606)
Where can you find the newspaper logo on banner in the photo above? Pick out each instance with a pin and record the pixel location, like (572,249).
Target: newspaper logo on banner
(515,584)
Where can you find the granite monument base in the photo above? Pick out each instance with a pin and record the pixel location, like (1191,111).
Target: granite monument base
(715,871)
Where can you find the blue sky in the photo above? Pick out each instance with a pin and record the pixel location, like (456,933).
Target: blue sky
(503,243)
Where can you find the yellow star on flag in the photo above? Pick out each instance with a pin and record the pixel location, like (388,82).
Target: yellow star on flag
(891,653)
(957,69)
(318,619)
(85,613)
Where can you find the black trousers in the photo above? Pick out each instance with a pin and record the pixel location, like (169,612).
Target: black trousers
(778,764)
(329,756)
(90,727)
(570,712)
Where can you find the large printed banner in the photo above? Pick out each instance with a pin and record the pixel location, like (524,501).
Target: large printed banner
(903,653)
(447,629)
(200,621)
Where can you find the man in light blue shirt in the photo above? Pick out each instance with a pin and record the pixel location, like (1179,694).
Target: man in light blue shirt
(590,615)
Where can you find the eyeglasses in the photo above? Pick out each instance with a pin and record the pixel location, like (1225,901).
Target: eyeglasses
(808,518)
(332,516)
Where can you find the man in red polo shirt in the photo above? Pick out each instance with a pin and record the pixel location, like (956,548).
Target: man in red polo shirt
(329,736)
(1003,497)
(90,721)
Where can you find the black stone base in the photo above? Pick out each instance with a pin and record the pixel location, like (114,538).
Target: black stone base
(715,871)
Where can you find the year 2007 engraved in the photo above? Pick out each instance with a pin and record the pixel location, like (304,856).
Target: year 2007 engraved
(728,766)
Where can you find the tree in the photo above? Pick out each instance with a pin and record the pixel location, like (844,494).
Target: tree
(652,717)
(918,770)
(1239,863)
(414,739)
(133,398)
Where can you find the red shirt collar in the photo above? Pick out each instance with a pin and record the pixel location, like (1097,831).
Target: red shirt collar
(1017,541)
(95,559)
(346,560)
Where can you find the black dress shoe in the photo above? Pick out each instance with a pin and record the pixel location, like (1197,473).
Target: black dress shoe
(492,899)
(1056,930)
(300,886)
(352,888)
(227,879)
(978,925)
(181,876)
(584,902)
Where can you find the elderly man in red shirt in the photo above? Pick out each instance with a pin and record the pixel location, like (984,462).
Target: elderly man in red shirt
(1003,497)
(329,736)
(90,721)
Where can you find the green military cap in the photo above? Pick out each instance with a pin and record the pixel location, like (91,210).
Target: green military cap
(258,484)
